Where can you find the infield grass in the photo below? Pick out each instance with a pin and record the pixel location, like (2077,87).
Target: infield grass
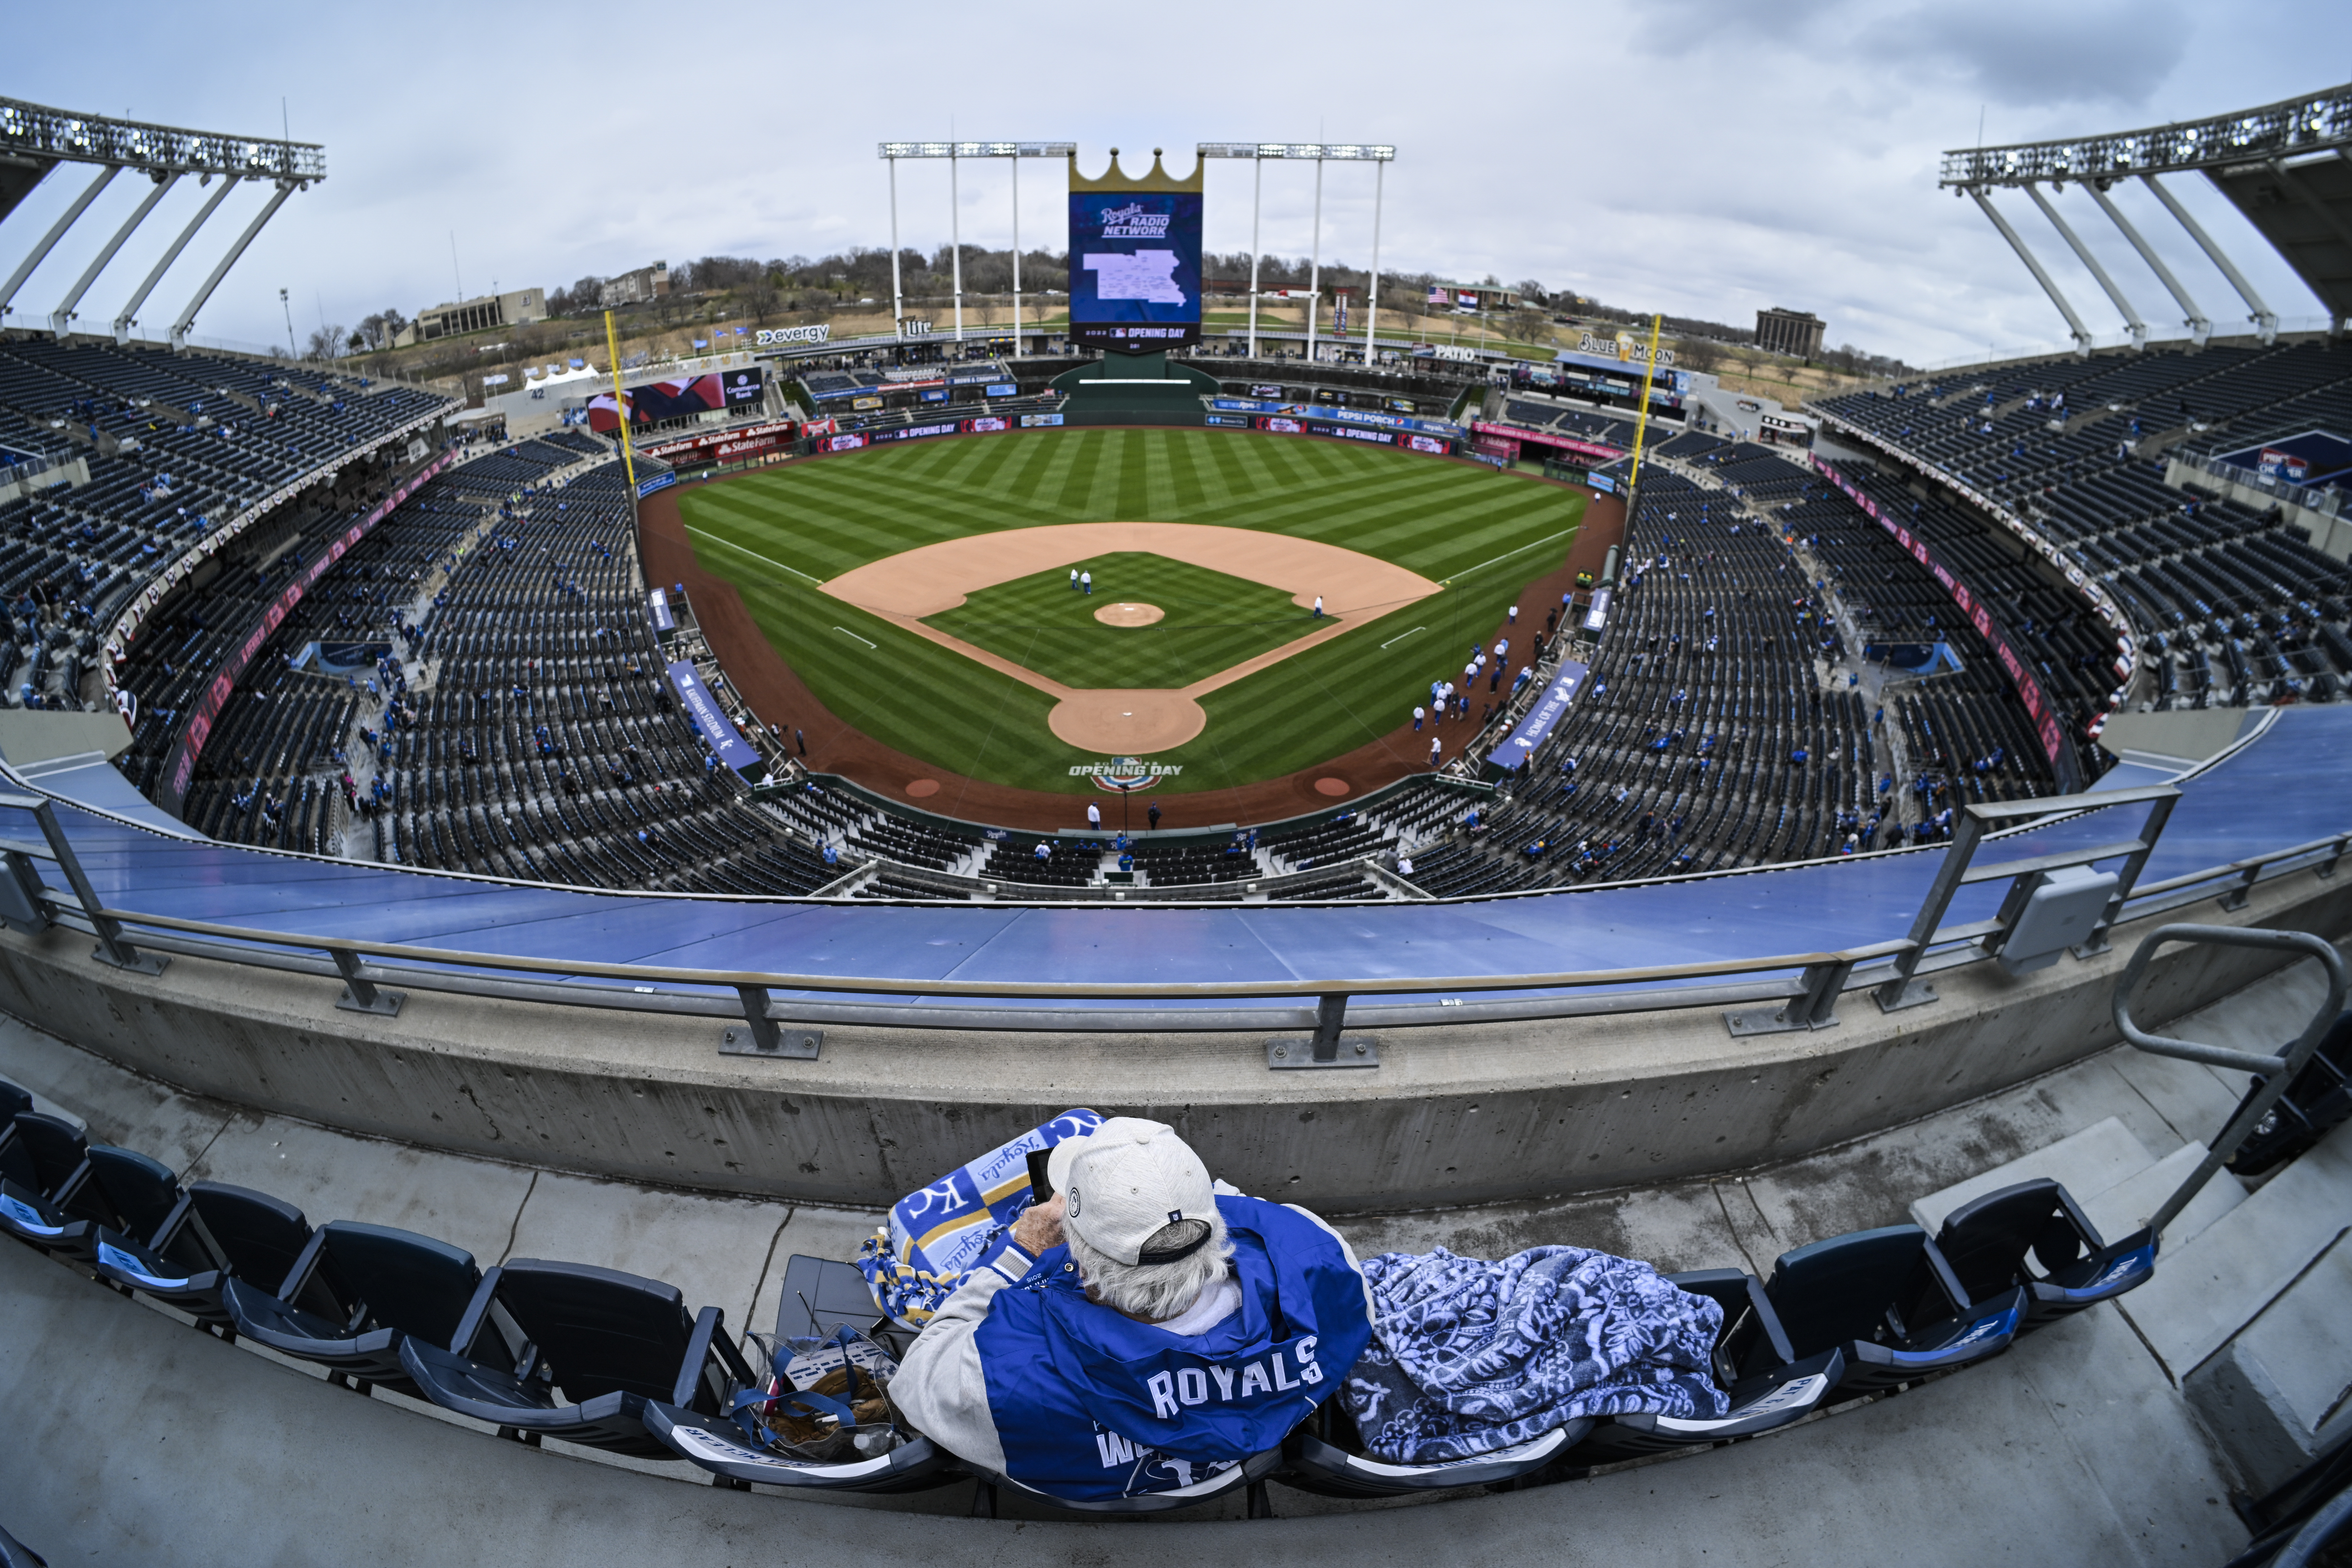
(1210,622)
(781,532)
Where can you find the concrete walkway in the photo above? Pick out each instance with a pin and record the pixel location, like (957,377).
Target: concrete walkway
(135,1439)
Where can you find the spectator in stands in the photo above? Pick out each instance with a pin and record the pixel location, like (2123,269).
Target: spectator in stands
(1192,1327)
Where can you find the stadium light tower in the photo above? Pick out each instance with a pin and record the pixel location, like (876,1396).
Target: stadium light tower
(955,152)
(1380,155)
(33,139)
(2281,165)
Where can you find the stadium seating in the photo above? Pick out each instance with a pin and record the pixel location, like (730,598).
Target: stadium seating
(353,1297)
(616,1361)
(610,1344)
(175,446)
(2232,604)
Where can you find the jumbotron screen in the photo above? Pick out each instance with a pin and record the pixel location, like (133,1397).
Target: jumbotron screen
(1135,269)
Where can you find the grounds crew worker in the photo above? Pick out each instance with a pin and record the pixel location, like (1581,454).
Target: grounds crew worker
(1139,1331)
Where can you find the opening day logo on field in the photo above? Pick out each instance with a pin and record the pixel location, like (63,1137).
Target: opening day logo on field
(1121,774)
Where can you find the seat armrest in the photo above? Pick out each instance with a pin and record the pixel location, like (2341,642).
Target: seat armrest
(477,1315)
(306,1265)
(2091,1241)
(1945,1282)
(731,1357)
(71,1187)
(173,1222)
(698,1355)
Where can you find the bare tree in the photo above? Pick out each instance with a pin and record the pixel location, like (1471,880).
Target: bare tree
(326,343)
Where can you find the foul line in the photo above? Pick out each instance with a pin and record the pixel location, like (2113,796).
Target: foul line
(1506,554)
(1401,637)
(853,637)
(757,556)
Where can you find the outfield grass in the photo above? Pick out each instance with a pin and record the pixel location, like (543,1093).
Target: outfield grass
(781,532)
(1210,622)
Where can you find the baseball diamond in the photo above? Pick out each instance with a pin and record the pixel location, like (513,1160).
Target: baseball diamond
(925,594)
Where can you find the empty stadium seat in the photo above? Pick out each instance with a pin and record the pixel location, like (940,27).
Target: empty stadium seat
(1994,1242)
(609,1344)
(2319,1098)
(12,1101)
(42,1159)
(1324,1454)
(354,1296)
(1887,1301)
(214,1233)
(1768,1385)
(117,1189)
(1247,1476)
(14,1553)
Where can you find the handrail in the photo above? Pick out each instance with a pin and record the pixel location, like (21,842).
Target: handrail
(2277,1070)
(886,985)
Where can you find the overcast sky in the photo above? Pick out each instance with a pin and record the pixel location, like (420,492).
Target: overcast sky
(1700,158)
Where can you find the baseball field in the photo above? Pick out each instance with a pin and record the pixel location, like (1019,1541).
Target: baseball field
(924,593)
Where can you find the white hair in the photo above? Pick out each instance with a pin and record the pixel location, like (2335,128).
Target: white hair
(1154,1292)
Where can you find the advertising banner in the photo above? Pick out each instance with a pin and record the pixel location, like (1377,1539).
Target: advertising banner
(1577,444)
(1548,711)
(915,432)
(723,446)
(1039,421)
(659,400)
(986,424)
(1135,267)
(657,609)
(743,387)
(703,709)
(848,441)
(180,766)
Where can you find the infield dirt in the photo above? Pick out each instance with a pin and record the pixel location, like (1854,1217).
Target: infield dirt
(831,745)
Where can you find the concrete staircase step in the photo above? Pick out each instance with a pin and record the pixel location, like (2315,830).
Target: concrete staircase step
(2088,1163)
(2280,1392)
(2130,1202)
(2205,1291)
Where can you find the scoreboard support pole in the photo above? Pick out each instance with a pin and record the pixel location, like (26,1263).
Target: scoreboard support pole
(1016,258)
(955,238)
(1257,189)
(1372,304)
(1315,261)
(897,293)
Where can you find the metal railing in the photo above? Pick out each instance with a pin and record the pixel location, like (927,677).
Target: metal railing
(2275,1072)
(1768,994)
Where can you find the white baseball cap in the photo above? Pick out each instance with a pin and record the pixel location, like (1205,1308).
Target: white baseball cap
(1129,1180)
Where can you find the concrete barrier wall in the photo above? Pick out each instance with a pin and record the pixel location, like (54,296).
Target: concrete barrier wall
(1456,1114)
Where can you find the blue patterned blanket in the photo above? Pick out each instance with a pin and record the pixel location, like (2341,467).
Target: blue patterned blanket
(1469,1356)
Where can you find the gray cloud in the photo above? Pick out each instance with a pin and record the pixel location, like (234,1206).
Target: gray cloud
(1697,156)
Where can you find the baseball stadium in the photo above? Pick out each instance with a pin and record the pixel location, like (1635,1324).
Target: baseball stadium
(606,965)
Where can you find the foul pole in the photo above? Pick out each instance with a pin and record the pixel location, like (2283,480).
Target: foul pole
(620,403)
(1641,424)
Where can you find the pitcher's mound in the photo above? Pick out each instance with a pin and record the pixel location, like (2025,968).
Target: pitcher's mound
(1127,614)
(1127,723)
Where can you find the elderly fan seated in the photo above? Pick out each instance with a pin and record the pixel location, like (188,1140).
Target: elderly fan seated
(1139,1331)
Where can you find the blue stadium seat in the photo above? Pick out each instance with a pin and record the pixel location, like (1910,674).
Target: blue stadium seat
(354,1296)
(1331,1461)
(214,1233)
(117,1189)
(43,1159)
(1994,1242)
(1887,1301)
(12,1101)
(14,1553)
(609,1344)
(1248,1476)
(1769,1387)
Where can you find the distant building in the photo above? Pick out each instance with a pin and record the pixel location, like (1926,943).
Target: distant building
(1794,333)
(637,288)
(1472,297)
(516,307)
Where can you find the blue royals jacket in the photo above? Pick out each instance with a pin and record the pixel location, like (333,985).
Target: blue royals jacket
(1020,1374)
